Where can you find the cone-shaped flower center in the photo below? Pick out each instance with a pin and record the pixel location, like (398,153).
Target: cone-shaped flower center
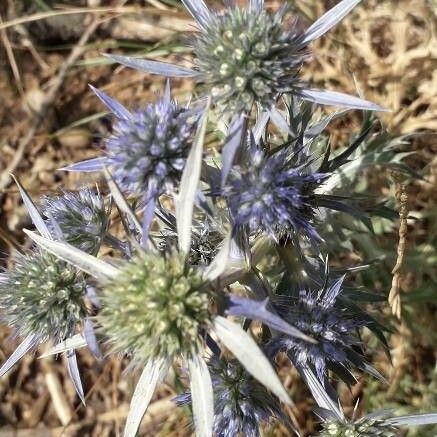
(155,307)
(247,56)
(44,296)
(150,148)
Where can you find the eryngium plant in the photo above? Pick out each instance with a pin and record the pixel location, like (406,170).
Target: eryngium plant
(148,148)
(43,296)
(364,427)
(268,192)
(241,403)
(82,218)
(335,328)
(157,306)
(246,55)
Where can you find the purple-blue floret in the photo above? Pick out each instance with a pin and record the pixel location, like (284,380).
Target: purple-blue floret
(269,193)
(148,150)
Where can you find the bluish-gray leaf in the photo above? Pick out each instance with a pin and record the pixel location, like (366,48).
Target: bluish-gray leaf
(82,260)
(232,144)
(73,371)
(413,420)
(121,202)
(37,220)
(320,395)
(328,20)
(72,343)
(256,5)
(199,11)
(245,349)
(257,310)
(26,345)
(260,126)
(91,340)
(189,182)
(201,396)
(115,107)
(220,262)
(87,166)
(152,375)
(279,121)
(334,98)
(153,67)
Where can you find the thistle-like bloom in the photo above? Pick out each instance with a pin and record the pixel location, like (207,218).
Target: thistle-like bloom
(247,55)
(148,148)
(43,297)
(316,314)
(82,218)
(269,193)
(241,404)
(157,307)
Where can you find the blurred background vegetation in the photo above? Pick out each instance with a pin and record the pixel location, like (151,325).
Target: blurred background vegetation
(386,50)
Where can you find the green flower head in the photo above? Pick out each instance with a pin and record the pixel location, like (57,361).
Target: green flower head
(44,296)
(157,306)
(364,427)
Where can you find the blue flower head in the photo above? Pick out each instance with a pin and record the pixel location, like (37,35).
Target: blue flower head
(241,404)
(318,314)
(81,217)
(148,149)
(268,192)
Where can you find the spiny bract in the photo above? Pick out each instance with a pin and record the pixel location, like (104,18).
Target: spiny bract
(44,296)
(361,428)
(148,150)
(82,217)
(155,307)
(248,56)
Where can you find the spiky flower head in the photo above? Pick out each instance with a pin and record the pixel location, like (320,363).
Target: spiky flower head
(365,427)
(248,55)
(267,192)
(148,149)
(241,403)
(157,306)
(82,217)
(316,314)
(43,296)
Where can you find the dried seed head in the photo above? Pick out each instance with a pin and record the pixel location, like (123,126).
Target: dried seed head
(155,307)
(43,295)
(246,56)
(149,149)
(82,217)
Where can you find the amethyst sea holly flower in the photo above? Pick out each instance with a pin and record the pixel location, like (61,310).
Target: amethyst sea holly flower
(148,149)
(81,217)
(247,55)
(241,403)
(158,307)
(318,314)
(42,297)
